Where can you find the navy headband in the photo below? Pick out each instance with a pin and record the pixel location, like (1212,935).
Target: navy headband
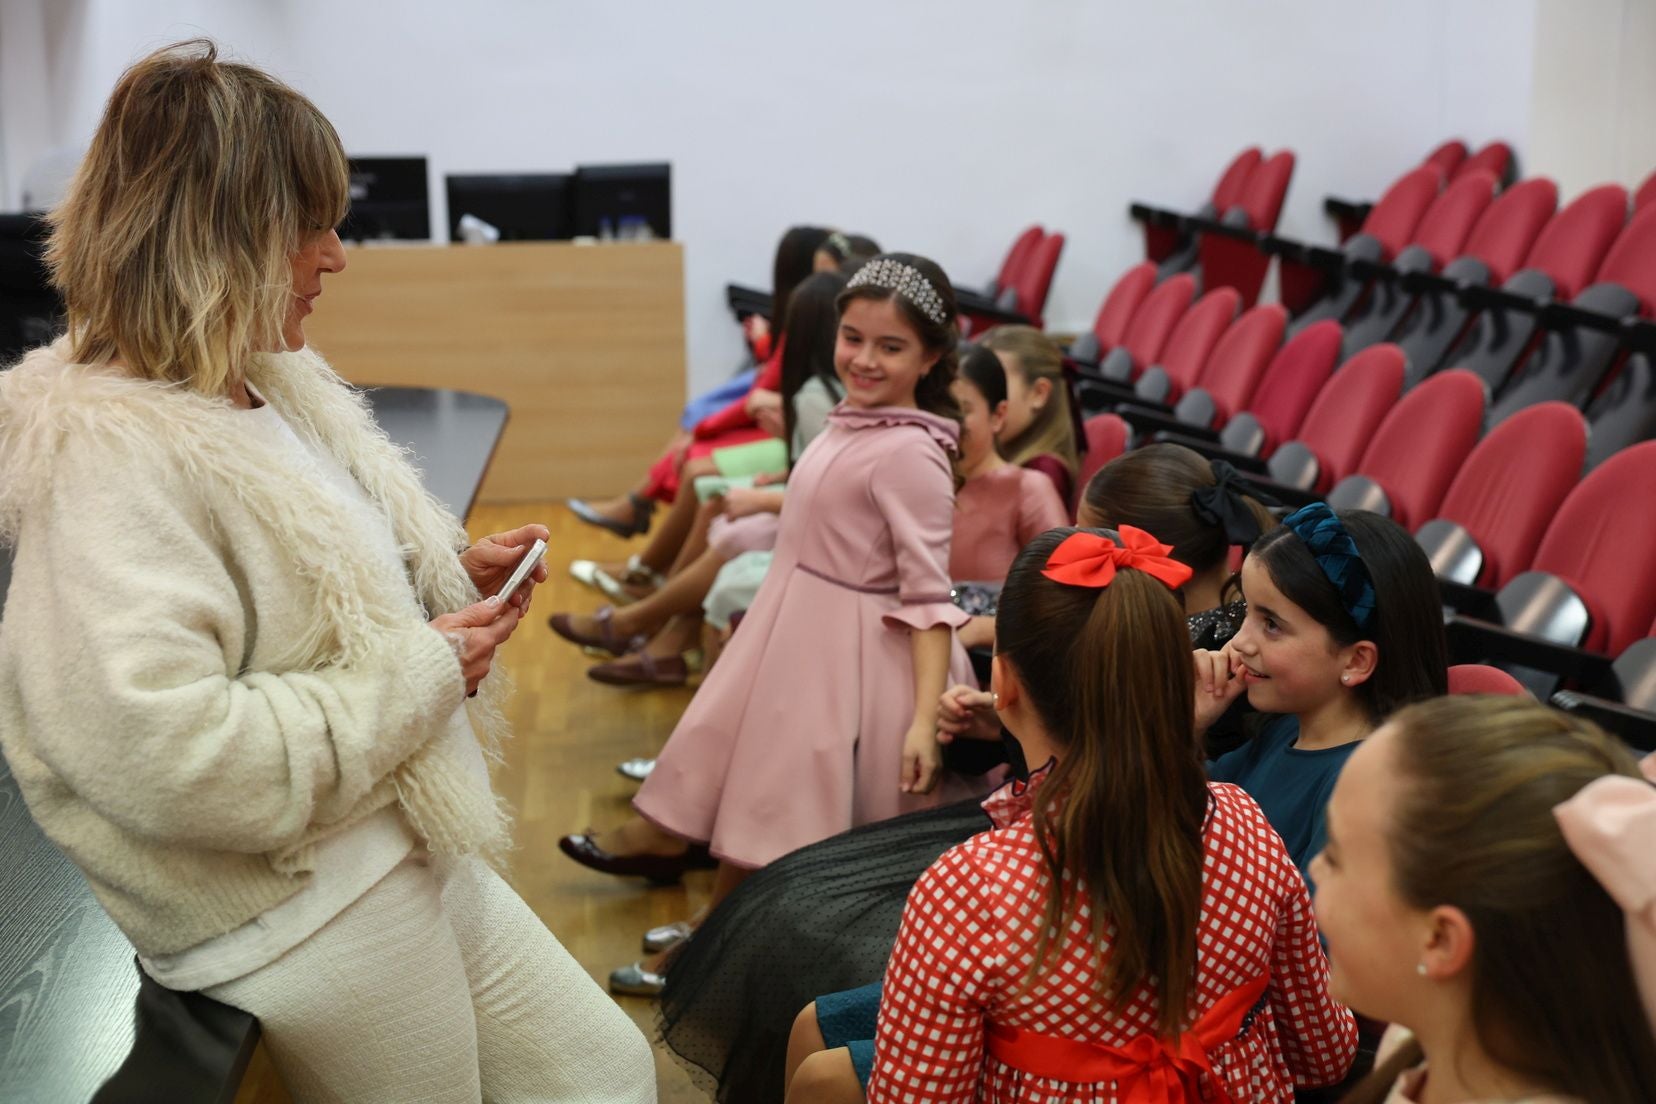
(1336,553)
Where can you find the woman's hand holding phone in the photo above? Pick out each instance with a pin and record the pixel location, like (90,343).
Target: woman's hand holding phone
(475,632)
(491,561)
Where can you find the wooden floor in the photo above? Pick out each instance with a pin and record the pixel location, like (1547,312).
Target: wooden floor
(569,733)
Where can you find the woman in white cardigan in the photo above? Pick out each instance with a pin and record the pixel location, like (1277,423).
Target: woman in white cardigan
(240,639)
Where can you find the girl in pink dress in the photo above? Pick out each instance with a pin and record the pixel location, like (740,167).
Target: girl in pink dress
(1000,507)
(821,714)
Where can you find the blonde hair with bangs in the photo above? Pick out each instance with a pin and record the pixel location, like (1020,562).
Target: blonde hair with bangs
(172,248)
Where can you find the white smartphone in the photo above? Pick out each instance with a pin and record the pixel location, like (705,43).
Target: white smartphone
(524,567)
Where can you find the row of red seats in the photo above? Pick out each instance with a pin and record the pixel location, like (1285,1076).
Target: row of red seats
(1576,352)
(1018,293)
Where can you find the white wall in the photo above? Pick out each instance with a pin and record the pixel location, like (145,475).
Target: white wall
(941,128)
(1594,105)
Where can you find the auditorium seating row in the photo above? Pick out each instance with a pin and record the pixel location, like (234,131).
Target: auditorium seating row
(1467,358)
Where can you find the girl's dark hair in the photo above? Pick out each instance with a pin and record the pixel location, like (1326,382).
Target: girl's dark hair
(982,369)
(795,258)
(940,338)
(1553,996)
(1119,821)
(1407,623)
(813,320)
(1151,487)
(845,247)
(862,245)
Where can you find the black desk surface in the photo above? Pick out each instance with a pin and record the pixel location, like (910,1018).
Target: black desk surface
(453,435)
(78,1020)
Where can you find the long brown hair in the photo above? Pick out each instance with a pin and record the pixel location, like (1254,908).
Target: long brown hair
(1120,819)
(1052,433)
(813,319)
(1553,996)
(172,246)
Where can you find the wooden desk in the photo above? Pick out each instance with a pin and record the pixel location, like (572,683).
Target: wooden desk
(585,343)
(78,1020)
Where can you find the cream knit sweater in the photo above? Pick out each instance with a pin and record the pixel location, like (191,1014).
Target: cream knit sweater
(201,673)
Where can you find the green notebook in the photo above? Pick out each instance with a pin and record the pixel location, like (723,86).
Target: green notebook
(754,458)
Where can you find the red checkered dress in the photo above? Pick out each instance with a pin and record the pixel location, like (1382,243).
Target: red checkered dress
(968,942)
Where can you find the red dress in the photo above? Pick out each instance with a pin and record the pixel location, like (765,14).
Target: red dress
(731,426)
(956,1023)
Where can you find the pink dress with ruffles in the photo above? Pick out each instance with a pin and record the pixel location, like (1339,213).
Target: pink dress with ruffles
(797,733)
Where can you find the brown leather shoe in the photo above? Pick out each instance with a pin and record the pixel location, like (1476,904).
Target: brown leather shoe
(642,669)
(605,639)
(660,869)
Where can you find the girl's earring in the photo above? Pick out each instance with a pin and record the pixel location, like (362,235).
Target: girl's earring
(1420,968)
(996,701)
(1345,678)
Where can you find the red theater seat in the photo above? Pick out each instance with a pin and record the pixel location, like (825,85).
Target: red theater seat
(1408,466)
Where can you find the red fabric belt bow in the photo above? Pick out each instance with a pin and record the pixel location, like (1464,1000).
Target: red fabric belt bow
(1147,1070)
(1089,560)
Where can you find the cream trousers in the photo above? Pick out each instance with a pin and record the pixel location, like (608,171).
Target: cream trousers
(448,993)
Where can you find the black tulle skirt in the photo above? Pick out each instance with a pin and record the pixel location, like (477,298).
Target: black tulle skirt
(816,921)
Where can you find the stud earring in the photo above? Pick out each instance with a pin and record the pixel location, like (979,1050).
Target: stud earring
(996,700)
(1345,678)
(1420,968)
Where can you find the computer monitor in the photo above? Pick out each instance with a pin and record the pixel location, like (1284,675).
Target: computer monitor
(523,207)
(610,194)
(30,311)
(389,199)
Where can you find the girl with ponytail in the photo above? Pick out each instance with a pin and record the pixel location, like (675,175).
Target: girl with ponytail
(1081,948)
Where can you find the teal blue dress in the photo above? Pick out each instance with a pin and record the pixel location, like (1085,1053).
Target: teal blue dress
(1291,785)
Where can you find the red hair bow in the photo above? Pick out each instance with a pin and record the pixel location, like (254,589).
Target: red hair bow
(1089,560)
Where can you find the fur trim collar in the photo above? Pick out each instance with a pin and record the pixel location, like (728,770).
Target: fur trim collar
(49,404)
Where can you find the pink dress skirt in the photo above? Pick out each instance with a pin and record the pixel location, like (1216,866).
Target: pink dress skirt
(797,733)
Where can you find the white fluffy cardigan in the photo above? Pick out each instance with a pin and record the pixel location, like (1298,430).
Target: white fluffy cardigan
(201,671)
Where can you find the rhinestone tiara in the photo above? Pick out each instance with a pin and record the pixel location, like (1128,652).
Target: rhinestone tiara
(905,280)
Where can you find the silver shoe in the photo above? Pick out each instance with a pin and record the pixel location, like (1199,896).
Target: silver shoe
(636,769)
(636,981)
(659,939)
(588,573)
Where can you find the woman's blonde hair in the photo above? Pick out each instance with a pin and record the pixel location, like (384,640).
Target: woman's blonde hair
(172,248)
(1052,432)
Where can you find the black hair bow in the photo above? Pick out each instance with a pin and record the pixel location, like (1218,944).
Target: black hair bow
(1222,504)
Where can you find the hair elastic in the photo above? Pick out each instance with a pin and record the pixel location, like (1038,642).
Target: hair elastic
(1336,554)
